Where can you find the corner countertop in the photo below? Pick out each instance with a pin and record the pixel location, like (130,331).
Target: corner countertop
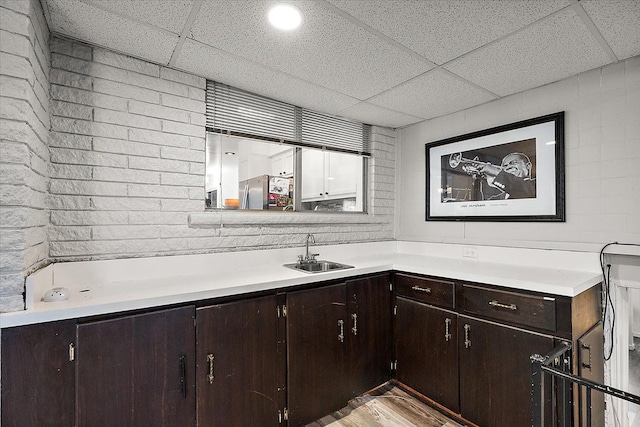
(112,286)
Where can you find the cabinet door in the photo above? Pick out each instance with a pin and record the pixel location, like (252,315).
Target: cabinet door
(344,171)
(135,371)
(495,372)
(427,351)
(237,364)
(317,368)
(369,332)
(313,174)
(38,375)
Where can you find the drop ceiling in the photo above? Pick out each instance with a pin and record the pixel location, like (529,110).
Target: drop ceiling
(383,62)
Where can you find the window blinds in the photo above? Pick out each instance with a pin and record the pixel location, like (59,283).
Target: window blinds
(237,112)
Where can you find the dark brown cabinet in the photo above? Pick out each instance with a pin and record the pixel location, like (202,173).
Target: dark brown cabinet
(495,372)
(137,370)
(38,375)
(239,367)
(370,330)
(467,347)
(427,351)
(339,342)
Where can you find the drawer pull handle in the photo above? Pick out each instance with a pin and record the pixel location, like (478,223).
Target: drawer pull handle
(447,324)
(419,289)
(467,341)
(512,307)
(341,334)
(354,330)
(210,376)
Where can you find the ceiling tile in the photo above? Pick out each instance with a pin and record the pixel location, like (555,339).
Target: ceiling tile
(558,47)
(168,15)
(433,94)
(327,49)
(442,30)
(220,66)
(96,26)
(619,23)
(379,116)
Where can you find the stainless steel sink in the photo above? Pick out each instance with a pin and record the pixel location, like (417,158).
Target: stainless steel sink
(317,266)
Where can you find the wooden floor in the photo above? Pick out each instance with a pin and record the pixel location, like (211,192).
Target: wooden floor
(388,406)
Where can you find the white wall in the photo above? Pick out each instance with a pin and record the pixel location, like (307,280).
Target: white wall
(24,132)
(602,154)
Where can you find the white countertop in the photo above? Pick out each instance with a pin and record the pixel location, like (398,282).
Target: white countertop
(102,287)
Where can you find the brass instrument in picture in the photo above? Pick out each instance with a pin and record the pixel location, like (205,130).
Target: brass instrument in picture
(472,167)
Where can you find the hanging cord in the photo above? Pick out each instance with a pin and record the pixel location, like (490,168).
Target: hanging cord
(608,300)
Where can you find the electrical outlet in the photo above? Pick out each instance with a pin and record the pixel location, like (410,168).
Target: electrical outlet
(470,252)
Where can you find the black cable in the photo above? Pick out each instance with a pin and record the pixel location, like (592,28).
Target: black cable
(613,312)
(608,301)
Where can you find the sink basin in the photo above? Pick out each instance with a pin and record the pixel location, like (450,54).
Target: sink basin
(318,266)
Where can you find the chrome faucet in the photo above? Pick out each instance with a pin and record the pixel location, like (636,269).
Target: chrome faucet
(310,257)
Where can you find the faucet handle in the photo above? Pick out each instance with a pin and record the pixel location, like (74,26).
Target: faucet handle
(312,257)
(300,259)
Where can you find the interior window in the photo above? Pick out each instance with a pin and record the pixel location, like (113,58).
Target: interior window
(251,174)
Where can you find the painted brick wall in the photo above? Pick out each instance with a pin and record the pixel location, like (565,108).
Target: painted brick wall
(127,165)
(602,153)
(24,156)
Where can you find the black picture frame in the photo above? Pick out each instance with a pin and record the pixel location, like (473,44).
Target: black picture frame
(513,172)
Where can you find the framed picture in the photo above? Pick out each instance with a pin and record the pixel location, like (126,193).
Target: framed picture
(513,172)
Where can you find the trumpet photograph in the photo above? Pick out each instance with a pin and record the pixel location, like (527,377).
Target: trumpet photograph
(513,172)
(499,172)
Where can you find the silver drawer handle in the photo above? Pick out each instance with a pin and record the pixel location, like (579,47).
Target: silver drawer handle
(507,306)
(341,334)
(418,288)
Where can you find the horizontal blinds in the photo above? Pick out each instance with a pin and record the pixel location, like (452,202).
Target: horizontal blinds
(330,132)
(235,111)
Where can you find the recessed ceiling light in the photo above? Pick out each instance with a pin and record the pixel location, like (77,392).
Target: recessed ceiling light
(285,16)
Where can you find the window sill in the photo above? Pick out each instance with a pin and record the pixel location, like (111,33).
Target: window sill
(220,219)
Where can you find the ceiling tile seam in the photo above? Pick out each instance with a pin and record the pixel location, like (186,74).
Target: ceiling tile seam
(511,34)
(399,45)
(375,32)
(127,17)
(195,9)
(275,70)
(384,108)
(594,31)
(451,73)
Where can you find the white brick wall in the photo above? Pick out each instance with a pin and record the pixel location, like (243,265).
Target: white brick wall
(127,165)
(602,153)
(24,156)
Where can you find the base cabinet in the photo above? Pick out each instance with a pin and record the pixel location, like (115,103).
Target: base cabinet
(137,370)
(38,375)
(427,351)
(238,364)
(339,345)
(467,347)
(495,372)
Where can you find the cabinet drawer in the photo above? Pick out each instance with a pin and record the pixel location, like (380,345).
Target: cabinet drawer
(524,309)
(431,291)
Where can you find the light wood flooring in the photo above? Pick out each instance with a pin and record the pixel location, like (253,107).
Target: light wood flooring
(387,406)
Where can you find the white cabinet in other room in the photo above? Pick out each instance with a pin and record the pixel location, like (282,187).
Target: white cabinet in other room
(330,175)
(282,163)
